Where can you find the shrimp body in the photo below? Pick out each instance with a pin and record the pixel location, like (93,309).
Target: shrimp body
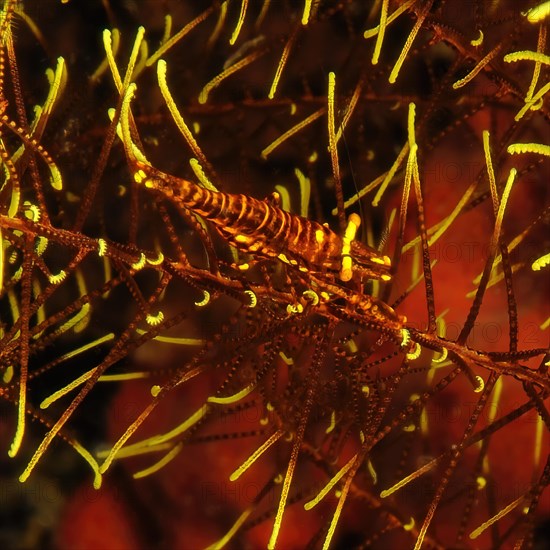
(261,228)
